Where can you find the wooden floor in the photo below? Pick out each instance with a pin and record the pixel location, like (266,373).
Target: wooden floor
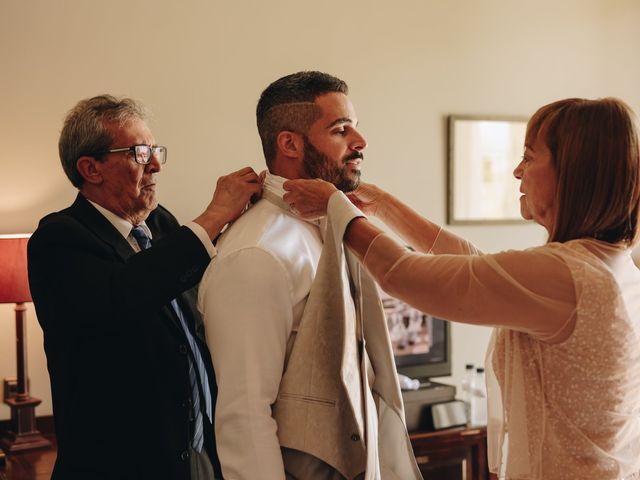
(38,464)
(32,465)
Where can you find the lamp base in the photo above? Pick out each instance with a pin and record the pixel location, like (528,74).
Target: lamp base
(23,434)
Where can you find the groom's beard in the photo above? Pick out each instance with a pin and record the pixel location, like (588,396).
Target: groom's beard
(318,165)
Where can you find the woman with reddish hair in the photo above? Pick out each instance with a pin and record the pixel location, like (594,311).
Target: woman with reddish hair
(564,359)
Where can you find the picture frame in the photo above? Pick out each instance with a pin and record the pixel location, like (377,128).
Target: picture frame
(483,151)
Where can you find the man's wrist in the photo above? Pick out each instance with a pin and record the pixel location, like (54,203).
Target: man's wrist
(212,222)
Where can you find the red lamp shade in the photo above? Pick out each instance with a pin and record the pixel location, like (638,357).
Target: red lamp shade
(14,282)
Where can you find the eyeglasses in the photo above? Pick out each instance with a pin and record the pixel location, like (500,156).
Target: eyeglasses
(143,153)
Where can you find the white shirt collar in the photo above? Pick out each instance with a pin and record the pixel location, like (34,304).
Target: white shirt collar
(274,184)
(123,226)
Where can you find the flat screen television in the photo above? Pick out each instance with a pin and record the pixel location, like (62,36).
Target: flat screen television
(421,343)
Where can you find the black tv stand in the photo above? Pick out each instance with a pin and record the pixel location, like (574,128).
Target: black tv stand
(429,393)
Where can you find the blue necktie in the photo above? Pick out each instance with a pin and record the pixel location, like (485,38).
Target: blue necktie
(194,370)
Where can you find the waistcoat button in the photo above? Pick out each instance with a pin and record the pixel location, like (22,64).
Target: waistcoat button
(355,437)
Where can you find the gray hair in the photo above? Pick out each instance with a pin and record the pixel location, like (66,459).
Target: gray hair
(86,132)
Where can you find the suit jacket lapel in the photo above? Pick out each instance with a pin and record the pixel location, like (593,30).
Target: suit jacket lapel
(107,233)
(98,224)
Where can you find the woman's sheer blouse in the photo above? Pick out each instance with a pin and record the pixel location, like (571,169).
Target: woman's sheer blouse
(563,366)
(529,291)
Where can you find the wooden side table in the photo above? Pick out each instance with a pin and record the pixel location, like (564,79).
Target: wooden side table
(453,454)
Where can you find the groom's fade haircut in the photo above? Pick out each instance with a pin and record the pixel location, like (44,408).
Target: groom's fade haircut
(288,105)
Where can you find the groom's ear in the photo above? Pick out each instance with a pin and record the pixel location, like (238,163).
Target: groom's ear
(290,145)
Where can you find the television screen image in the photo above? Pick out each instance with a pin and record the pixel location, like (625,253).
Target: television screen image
(421,342)
(422,350)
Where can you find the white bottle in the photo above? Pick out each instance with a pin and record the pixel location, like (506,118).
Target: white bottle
(465,387)
(478,399)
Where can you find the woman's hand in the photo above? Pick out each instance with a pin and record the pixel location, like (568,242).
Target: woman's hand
(308,198)
(367,197)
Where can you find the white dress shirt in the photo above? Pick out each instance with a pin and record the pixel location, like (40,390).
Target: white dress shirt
(251,296)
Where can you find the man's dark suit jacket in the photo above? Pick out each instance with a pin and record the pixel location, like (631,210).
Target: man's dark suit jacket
(116,353)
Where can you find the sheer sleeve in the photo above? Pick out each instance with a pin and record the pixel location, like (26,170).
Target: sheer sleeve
(530,291)
(447,242)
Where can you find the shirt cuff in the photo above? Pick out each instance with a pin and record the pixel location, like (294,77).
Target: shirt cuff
(201,233)
(341,211)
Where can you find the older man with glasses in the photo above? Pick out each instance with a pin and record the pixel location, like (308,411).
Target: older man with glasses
(113,280)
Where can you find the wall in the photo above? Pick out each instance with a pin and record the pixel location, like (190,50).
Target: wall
(201,65)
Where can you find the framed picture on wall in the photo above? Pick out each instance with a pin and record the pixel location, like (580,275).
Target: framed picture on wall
(483,152)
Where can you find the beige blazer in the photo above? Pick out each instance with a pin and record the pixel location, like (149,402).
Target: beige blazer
(321,409)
